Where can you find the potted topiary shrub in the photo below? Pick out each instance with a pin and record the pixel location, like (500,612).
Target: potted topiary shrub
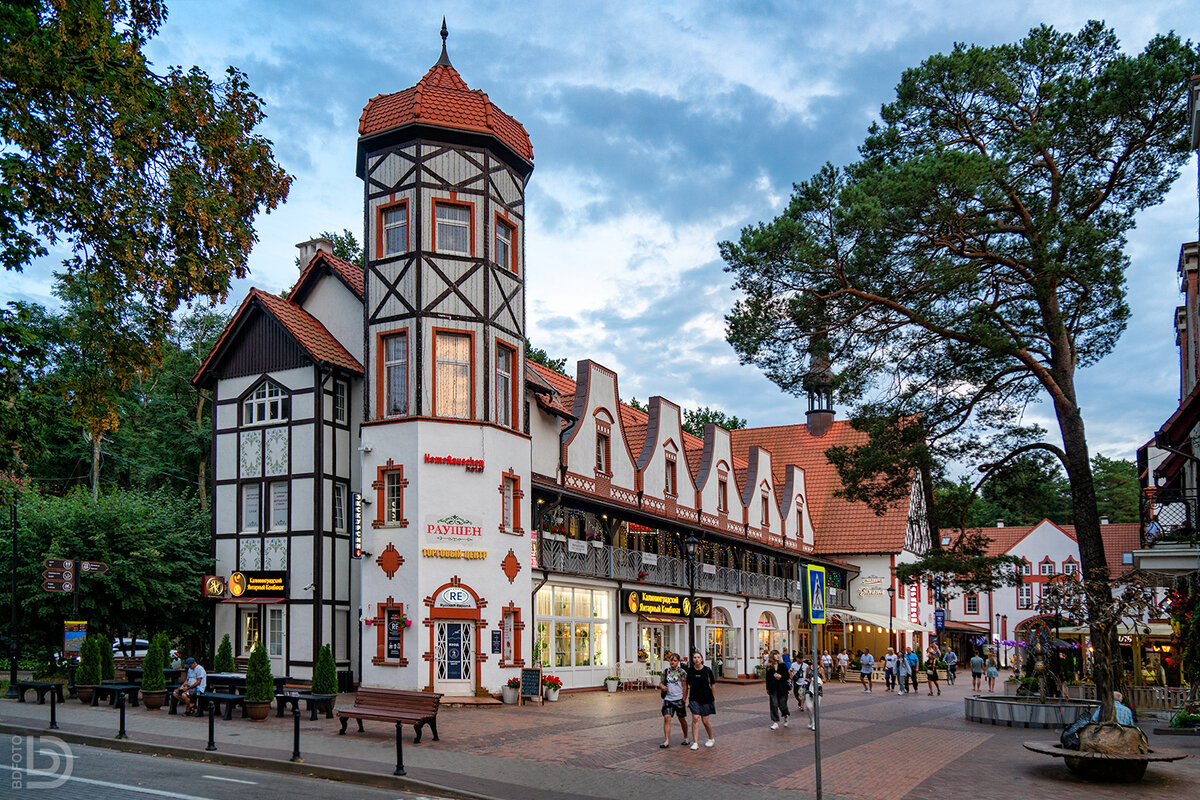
(260,685)
(510,693)
(108,667)
(87,674)
(325,674)
(224,659)
(154,682)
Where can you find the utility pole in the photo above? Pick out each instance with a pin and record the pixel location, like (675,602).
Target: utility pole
(13,650)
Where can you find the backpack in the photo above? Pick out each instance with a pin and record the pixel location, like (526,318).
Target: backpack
(1070,736)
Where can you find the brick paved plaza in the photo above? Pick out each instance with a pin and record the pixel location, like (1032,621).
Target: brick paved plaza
(597,744)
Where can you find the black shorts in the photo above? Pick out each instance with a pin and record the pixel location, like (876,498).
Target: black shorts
(674,708)
(702,709)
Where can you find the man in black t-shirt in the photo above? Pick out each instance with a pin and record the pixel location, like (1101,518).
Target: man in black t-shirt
(700,700)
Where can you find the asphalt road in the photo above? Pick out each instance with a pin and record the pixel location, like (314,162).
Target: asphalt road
(56,771)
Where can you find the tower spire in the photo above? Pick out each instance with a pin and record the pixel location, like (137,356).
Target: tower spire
(444,61)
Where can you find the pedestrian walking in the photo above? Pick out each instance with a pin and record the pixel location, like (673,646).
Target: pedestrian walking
(951,659)
(914,664)
(811,691)
(889,669)
(977,672)
(903,669)
(700,699)
(843,661)
(866,669)
(931,675)
(799,678)
(787,660)
(779,681)
(672,685)
(826,663)
(992,673)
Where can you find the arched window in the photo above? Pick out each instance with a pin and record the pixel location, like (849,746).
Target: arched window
(268,403)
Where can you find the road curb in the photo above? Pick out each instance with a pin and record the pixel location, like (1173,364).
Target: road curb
(382,781)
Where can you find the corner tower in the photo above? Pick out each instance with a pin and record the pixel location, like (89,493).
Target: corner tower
(446,453)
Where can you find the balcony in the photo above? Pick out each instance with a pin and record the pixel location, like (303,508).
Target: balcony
(840,598)
(1169,539)
(599,560)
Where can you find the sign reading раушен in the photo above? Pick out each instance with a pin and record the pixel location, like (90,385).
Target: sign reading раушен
(636,601)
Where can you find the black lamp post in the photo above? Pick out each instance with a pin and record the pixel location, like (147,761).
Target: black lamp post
(689,545)
(891,592)
(12,631)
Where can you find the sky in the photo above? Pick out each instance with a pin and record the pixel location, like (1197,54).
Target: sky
(659,130)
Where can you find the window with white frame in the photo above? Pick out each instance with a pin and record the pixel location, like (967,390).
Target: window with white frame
(339,507)
(268,403)
(341,392)
(505,360)
(1070,568)
(395,364)
(572,627)
(453,228)
(1025,568)
(722,494)
(275,631)
(251,507)
(394,497)
(670,487)
(1046,568)
(504,245)
(1025,596)
(279,506)
(509,503)
(452,354)
(766,513)
(395,230)
(602,453)
(972,603)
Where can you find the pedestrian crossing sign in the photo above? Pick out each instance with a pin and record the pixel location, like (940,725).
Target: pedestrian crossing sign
(816,594)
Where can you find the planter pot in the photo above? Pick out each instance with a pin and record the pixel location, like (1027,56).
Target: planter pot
(153,700)
(84,693)
(258,711)
(510,694)
(611,686)
(551,695)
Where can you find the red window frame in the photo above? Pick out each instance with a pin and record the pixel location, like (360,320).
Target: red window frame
(512,385)
(470,223)
(380,239)
(470,361)
(502,222)
(517,495)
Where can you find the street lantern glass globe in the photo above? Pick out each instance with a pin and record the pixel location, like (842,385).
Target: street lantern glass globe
(691,542)
(891,591)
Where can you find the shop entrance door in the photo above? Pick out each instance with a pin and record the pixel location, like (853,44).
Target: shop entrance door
(655,647)
(455,658)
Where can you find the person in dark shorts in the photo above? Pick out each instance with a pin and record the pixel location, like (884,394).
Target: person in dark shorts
(700,699)
(778,682)
(977,672)
(672,685)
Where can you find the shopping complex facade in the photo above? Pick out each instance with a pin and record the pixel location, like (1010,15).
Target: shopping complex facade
(395,479)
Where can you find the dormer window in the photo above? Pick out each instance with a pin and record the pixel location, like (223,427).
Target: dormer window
(766,513)
(602,453)
(670,488)
(268,403)
(1046,567)
(722,495)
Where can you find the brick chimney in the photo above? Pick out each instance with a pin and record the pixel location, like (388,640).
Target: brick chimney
(308,250)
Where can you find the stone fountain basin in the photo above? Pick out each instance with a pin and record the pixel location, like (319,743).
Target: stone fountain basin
(1025,712)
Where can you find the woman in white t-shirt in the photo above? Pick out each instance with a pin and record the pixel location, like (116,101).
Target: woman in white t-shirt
(889,669)
(827,663)
(843,661)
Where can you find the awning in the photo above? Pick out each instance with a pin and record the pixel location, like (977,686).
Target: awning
(879,620)
(1157,630)
(661,618)
(962,626)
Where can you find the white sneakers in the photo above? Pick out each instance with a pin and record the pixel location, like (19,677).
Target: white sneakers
(775,726)
(812,727)
(695,746)
(785,722)
(710,742)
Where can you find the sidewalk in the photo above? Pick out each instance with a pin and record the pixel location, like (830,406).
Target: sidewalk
(602,745)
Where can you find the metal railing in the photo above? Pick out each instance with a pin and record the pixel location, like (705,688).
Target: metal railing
(617,563)
(1169,515)
(839,598)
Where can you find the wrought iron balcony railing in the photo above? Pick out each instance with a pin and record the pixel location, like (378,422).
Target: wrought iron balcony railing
(1169,515)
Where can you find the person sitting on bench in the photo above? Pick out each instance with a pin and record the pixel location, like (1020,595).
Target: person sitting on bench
(197,680)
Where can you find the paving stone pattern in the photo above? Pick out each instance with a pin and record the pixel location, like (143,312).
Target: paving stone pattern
(874,746)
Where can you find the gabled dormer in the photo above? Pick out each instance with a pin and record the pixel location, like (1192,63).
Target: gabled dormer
(596,456)
(663,474)
(763,520)
(717,491)
(797,525)
(331,290)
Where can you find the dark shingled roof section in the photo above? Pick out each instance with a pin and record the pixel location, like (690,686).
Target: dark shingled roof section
(314,337)
(443,99)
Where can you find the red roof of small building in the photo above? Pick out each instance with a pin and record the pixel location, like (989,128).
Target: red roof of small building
(1119,538)
(841,526)
(443,99)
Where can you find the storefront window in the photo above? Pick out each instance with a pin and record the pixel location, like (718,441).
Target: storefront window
(583,650)
(572,629)
(562,601)
(562,644)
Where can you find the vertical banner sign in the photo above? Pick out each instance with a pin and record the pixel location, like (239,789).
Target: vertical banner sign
(939,619)
(356,544)
(395,633)
(815,600)
(73,633)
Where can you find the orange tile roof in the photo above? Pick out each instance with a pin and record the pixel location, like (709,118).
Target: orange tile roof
(841,526)
(1119,537)
(350,273)
(443,99)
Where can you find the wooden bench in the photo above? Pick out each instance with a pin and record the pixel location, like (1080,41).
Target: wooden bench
(393,705)
(110,692)
(40,688)
(323,702)
(1102,767)
(217,698)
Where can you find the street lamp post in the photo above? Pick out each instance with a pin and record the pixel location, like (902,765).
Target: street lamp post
(690,544)
(12,631)
(891,593)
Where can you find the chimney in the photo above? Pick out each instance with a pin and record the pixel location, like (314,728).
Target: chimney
(819,385)
(1104,520)
(308,250)
(999,523)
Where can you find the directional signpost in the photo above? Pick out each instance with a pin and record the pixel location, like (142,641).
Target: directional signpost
(62,575)
(97,567)
(814,596)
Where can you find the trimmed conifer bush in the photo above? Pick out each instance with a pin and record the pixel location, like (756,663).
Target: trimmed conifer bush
(108,669)
(260,685)
(88,671)
(325,673)
(153,679)
(224,660)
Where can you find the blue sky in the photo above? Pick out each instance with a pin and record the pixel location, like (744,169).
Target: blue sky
(658,130)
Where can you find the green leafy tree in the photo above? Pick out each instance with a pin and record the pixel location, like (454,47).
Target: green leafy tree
(260,686)
(345,246)
(634,403)
(325,672)
(153,679)
(694,420)
(27,340)
(149,182)
(972,261)
(224,659)
(540,356)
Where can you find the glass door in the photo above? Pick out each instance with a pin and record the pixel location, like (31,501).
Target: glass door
(454,674)
(653,648)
